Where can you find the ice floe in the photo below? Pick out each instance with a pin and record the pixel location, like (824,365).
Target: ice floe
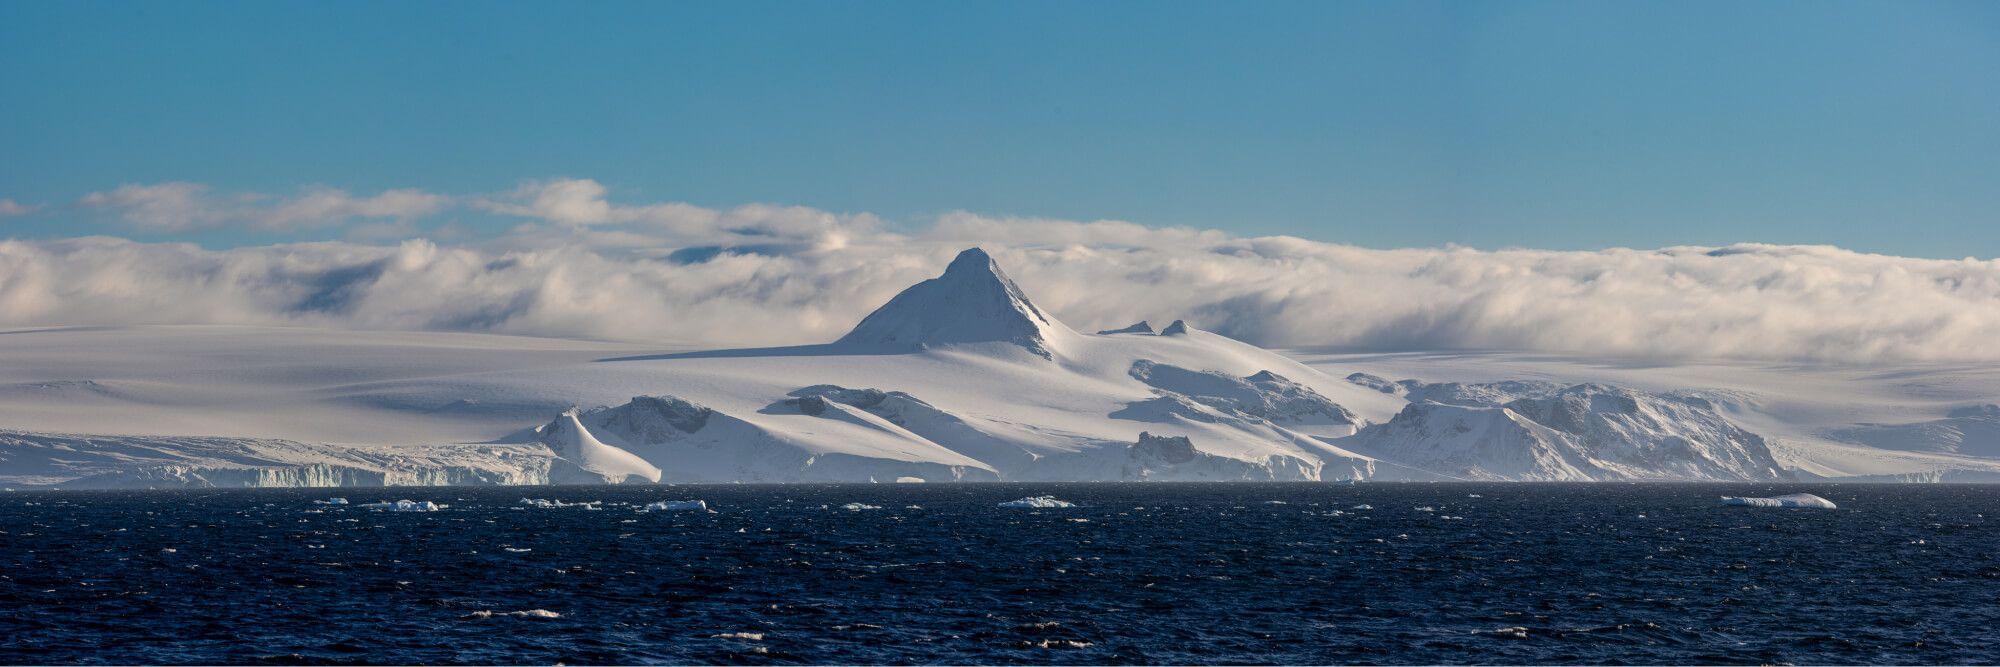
(1038,502)
(331,501)
(545,503)
(405,506)
(856,507)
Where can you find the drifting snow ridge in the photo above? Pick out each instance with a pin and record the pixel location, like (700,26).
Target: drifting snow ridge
(973,302)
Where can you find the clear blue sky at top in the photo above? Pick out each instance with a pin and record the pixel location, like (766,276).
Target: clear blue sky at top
(1870,125)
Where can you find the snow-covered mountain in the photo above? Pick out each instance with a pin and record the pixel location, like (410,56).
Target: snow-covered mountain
(958,378)
(973,302)
(1586,432)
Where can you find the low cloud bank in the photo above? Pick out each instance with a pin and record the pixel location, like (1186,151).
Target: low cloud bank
(786,276)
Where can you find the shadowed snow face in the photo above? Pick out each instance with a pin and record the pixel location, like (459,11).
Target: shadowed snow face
(1774,302)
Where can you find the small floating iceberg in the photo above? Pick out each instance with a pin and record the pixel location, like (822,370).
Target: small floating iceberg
(331,501)
(675,506)
(1038,502)
(405,506)
(1793,500)
(551,504)
(856,507)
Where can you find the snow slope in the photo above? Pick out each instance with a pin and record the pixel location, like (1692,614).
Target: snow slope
(580,458)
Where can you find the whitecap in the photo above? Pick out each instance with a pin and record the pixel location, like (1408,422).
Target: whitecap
(674,506)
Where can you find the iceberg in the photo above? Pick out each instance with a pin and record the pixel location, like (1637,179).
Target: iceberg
(1038,502)
(551,504)
(405,506)
(1792,500)
(675,506)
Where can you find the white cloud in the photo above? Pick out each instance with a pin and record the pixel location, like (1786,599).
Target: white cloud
(10,208)
(1757,301)
(585,265)
(164,206)
(576,203)
(182,206)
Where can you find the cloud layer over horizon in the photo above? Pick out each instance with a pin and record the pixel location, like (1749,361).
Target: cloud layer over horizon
(581,265)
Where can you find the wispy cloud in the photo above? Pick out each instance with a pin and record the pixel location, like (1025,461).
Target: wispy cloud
(576,203)
(10,208)
(182,206)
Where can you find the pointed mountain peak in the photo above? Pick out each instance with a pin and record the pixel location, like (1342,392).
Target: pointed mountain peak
(973,302)
(1178,328)
(972,260)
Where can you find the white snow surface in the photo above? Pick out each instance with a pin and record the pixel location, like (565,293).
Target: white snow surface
(1795,500)
(960,378)
(582,459)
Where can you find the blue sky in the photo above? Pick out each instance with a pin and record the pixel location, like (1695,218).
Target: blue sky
(1873,125)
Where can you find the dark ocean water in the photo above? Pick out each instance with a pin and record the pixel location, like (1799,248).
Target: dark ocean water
(1222,573)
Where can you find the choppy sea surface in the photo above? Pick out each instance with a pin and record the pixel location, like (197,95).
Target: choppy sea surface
(1152,573)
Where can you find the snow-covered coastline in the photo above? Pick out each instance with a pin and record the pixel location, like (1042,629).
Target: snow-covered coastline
(959,378)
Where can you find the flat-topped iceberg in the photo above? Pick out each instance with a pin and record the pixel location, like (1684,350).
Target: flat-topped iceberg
(1038,502)
(1792,500)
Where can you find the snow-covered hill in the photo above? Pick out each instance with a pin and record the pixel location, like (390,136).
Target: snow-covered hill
(958,378)
(1586,432)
